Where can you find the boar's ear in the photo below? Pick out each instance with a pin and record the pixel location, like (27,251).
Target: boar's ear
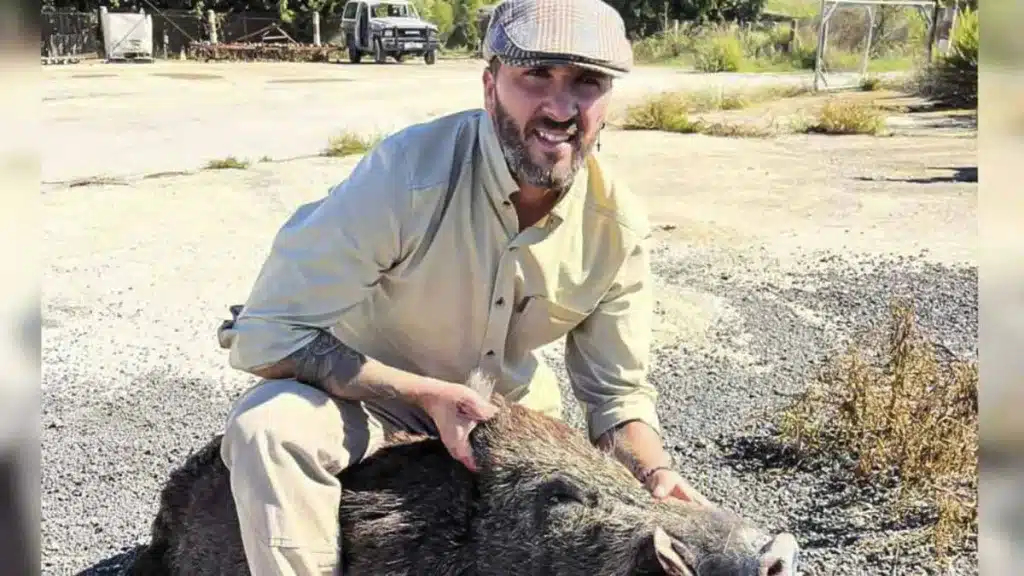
(667,555)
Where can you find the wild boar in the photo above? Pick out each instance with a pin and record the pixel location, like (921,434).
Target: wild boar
(544,501)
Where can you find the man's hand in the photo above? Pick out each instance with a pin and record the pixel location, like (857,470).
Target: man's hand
(666,483)
(455,410)
(638,446)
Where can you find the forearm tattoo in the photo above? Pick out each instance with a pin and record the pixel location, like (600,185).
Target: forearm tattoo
(325,359)
(328,364)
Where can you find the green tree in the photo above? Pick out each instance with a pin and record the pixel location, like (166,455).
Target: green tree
(439,12)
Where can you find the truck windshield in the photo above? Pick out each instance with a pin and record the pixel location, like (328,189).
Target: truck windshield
(386,10)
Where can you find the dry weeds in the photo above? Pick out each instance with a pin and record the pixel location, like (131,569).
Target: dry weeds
(667,111)
(904,409)
(228,163)
(350,143)
(839,117)
(681,112)
(739,129)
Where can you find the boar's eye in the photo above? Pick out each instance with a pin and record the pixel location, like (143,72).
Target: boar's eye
(559,490)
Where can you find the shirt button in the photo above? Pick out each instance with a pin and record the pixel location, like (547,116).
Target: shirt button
(506,204)
(500,302)
(513,248)
(489,353)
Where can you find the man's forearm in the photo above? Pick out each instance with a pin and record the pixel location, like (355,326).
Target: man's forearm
(328,364)
(636,445)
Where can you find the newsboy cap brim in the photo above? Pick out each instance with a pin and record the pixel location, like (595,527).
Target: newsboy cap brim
(585,33)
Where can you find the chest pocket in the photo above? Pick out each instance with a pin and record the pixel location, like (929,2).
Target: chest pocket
(539,322)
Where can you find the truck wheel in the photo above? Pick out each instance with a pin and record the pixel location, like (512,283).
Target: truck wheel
(430,57)
(398,56)
(354,55)
(379,56)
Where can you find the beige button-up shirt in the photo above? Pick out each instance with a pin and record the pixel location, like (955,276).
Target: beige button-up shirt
(416,259)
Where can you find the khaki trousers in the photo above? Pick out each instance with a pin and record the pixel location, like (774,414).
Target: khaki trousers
(285,442)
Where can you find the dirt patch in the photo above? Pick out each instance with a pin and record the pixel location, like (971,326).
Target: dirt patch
(86,96)
(97,181)
(187,76)
(307,80)
(166,174)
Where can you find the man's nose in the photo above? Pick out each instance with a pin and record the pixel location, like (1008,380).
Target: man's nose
(562,107)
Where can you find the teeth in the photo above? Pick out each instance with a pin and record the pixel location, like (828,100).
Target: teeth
(553,137)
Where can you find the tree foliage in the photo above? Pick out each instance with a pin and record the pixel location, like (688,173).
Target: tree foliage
(456,19)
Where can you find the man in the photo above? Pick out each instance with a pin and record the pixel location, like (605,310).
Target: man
(465,242)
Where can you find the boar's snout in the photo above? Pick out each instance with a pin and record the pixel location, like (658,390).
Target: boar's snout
(669,556)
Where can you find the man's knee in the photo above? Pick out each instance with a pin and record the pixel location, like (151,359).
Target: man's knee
(279,412)
(286,415)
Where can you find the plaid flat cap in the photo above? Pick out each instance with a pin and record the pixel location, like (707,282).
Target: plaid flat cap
(587,33)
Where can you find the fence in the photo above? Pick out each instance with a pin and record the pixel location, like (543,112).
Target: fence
(174,30)
(68,32)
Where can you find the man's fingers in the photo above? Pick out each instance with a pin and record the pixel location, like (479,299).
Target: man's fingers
(458,445)
(476,408)
(689,493)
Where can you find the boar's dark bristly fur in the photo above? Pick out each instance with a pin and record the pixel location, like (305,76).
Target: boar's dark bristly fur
(544,502)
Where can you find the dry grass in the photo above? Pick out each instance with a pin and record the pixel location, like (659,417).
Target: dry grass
(668,112)
(870,83)
(839,117)
(901,411)
(349,143)
(671,111)
(228,163)
(738,129)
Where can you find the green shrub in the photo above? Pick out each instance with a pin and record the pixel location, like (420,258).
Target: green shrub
(662,47)
(953,79)
(719,53)
(870,83)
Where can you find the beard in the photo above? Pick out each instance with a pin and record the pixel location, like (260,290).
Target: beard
(551,173)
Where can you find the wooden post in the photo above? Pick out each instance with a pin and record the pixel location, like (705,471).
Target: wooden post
(867,46)
(819,52)
(316,28)
(933,30)
(102,48)
(211,19)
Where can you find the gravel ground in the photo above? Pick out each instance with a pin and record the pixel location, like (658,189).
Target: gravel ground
(773,328)
(715,393)
(771,252)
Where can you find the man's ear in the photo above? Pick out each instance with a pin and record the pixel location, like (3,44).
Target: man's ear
(489,87)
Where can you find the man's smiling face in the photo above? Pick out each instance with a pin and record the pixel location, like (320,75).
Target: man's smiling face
(547,119)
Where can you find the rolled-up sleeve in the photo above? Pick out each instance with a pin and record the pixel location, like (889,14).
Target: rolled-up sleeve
(607,355)
(324,260)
